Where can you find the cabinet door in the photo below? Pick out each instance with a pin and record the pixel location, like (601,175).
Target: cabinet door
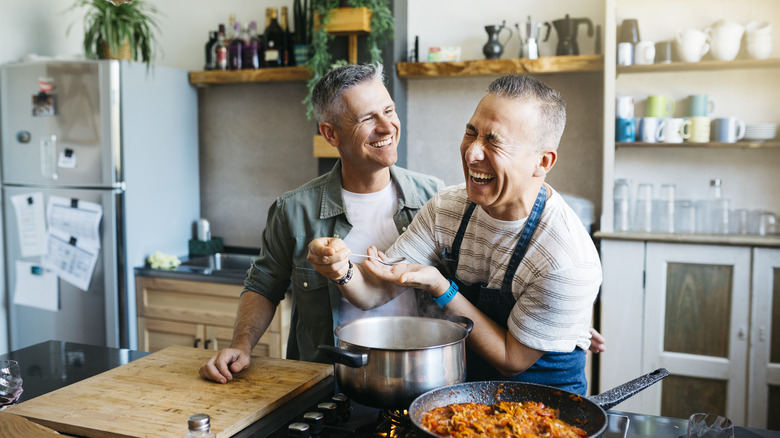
(764,396)
(156,334)
(696,322)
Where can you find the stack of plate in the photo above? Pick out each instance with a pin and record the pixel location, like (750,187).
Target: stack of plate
(760,131)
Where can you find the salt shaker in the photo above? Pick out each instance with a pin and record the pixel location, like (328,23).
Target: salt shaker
(199,426)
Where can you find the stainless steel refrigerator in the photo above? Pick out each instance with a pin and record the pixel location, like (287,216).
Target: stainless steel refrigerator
(99,133)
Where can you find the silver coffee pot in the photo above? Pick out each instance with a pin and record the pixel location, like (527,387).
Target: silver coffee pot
(529,33)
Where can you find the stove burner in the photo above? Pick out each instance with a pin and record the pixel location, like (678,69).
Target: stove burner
(394,424)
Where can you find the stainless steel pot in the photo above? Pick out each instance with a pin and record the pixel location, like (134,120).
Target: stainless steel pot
(386,362)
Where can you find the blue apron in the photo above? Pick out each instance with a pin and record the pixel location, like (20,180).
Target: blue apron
(562,370)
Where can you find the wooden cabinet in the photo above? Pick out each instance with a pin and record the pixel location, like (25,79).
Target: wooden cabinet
(198,314)
(704,312)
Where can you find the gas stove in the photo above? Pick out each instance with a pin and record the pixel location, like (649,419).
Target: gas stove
(333,415)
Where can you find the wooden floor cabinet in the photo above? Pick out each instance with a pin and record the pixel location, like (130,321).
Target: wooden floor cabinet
(710,314)
(198,314)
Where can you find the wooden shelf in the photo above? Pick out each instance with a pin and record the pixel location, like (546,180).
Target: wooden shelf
(498,67)
(273,74)
(700,66)
(773,144)
(772,241)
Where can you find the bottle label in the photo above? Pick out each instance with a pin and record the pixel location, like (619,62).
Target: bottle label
(271,55)
(221,58)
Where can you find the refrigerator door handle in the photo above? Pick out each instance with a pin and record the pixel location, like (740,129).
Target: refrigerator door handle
(49,157)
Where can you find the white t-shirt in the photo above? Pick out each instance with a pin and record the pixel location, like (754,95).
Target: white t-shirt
(556,283)
(371,216)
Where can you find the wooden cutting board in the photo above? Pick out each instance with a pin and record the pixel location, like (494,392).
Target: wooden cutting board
(153,396)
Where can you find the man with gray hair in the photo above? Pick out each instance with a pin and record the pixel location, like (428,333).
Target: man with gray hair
(365,199)
(503,249)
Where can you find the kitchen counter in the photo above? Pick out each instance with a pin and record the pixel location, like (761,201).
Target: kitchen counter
(227,267)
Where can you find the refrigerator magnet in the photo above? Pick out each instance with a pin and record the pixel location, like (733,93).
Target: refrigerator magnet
(67,159)
(44,104)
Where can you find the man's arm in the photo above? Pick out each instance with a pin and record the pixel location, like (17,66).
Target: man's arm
(255,313)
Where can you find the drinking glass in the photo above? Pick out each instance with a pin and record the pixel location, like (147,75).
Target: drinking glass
(10,383)
(720,216)
(685,217)
(663,217)
(709,426)
(739,221)
(643,219)
(622,205)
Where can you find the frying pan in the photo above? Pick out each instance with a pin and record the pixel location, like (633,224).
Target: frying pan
(588,413)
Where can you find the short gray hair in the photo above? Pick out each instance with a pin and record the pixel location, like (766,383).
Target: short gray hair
(551,106)
(326,95)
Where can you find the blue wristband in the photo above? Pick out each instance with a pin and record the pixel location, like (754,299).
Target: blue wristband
(446,297)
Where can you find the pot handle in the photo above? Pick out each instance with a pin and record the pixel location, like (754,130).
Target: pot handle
(463,320)
(345,357)
(608,399)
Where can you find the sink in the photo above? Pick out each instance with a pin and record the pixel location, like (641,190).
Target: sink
(222,263)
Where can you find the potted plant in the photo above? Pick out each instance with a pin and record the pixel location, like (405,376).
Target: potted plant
(320,62)
(124,31)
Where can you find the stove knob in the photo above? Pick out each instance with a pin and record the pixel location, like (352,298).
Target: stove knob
(328,409)
(315,420)
(342,407)
(298,430)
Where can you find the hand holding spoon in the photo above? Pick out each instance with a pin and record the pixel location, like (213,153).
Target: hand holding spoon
(388,262)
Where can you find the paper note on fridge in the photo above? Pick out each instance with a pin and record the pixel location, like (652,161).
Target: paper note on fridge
(31,223)
(71,259)
(36,286)
(75,218)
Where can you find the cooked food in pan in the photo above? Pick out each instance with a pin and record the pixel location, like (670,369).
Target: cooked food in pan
(503,419)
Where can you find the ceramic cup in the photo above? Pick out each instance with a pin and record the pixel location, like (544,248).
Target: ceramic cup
(629,31)
(625,54)
(624,107)
(663,52)
(700,105)
(647,131)
(644,53)
(725,39)
(758,39)
(658,105)
(674,130)
(691,44)
(625,130)
(728,129)
(700,130)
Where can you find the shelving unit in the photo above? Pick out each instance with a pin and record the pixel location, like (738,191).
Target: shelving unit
(498,67)
(699,66)
(773,144)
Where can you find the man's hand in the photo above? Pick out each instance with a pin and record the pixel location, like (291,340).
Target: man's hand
(407,274)
(329,256)
(597,342)
(221,367)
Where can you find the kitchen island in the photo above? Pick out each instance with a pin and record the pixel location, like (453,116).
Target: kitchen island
(51,365)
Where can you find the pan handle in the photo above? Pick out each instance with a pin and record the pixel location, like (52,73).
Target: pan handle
(345,357)
(463,320)
(608,399)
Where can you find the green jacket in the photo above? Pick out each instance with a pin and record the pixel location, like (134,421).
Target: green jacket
(314,210)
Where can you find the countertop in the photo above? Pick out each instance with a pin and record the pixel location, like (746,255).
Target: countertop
(205,271)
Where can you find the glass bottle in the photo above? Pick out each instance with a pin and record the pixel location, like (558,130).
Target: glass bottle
(274,42)
(235,49)
(622,197)
(199,426)
(220,50)
(251,50)
(288,54)
(210,61)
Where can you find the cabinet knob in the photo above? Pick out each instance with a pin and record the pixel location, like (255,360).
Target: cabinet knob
(742,333)
(195,344)
(206,344)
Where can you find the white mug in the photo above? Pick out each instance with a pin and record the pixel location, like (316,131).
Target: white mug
(648,129)
(644,53)
(674,130)
(624,107)
(725,39)
(625,54)
(691,44)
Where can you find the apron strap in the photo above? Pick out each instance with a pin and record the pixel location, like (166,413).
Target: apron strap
(525,239)
(454,253)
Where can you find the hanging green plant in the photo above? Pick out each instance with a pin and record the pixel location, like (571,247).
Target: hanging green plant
(320,59)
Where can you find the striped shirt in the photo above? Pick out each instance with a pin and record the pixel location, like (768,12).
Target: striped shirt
(556,283)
